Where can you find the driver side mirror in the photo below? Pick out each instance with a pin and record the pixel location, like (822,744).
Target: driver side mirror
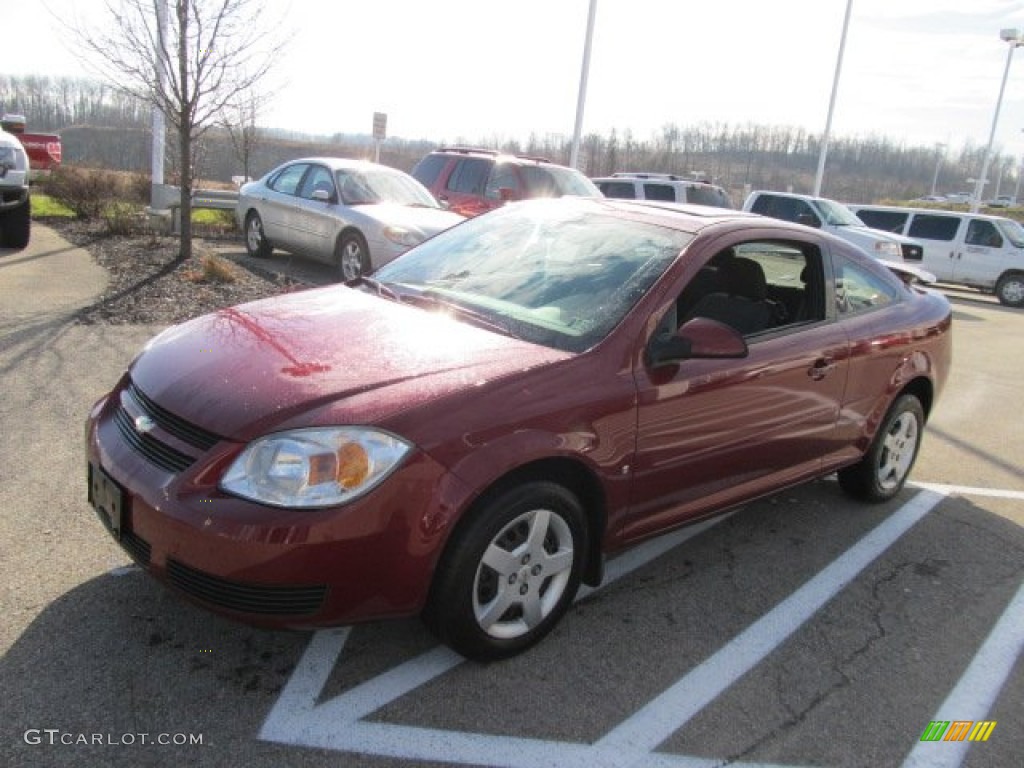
(699,338)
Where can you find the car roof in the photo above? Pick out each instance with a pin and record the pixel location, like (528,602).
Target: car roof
(337,163)
(685,217)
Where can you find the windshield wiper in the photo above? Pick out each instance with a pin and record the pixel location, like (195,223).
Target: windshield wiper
(382,289)
(433,298)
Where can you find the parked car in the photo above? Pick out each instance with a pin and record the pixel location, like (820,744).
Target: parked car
(471,181)
(15,193)
(354,214)
(835,218)
(971,249)
(663,186)
(1003,201)
(959,197)
(467,434)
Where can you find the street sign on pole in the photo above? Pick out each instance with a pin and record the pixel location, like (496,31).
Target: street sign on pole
(380,132)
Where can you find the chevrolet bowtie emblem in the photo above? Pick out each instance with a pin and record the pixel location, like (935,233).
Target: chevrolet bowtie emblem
(144,424)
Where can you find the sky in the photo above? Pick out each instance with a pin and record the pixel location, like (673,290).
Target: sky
(918,72)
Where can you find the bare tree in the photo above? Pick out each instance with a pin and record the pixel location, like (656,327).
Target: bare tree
(239,120)
(190,65)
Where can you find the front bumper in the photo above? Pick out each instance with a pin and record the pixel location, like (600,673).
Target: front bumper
(369,559)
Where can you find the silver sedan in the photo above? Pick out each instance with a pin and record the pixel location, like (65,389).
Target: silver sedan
(354,214)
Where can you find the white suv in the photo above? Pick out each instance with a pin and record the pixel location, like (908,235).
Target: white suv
(15,219)
(663,186)
(835,218)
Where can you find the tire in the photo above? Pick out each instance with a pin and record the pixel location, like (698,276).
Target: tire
(511,573)
(353,257)
(256,243)
(1010,290)
(884,469)
(16,226)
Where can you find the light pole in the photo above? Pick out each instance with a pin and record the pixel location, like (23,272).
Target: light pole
(819,177)
(938,163)
(1013,37)
(574,155)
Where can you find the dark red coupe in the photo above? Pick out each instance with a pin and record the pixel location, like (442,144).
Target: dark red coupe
(470,432)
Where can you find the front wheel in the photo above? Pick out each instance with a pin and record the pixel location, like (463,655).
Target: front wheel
(510,574)
(353,257)
(1010,290)
(882,472)
(256,243)
(16,226)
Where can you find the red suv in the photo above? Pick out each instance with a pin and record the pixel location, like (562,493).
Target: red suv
(471,181)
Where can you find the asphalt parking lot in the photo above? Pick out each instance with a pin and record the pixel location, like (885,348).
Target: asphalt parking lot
(803,630)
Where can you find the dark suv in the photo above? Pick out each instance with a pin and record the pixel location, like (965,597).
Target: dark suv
(471,181)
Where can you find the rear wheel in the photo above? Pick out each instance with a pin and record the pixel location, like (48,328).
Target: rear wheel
(353,256)
(511,573)
(16,226)
(256,243)
(1010,290)
(882,472)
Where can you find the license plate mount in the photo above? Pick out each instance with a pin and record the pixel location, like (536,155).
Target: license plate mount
(107,498)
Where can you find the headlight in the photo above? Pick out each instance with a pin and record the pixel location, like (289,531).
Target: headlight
(314,467)
(887,250)
(403,236)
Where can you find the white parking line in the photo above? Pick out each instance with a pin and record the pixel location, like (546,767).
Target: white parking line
(337,724)
(965,490)
(976,692)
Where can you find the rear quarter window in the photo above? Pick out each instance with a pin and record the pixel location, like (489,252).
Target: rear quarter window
(706,195)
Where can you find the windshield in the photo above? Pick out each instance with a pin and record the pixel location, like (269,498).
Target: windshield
(382,186)
(1013,231)
(838,215)
(558,273)
(554,181)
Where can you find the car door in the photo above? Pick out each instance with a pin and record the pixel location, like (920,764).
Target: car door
(464,189)
(317,215)
(712,432)
(979,260)
(939,234)
(281,220)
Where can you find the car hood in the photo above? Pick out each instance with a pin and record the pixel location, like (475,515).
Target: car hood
(429,221)
(330,355)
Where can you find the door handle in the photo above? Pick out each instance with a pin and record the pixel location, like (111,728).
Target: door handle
(822,367)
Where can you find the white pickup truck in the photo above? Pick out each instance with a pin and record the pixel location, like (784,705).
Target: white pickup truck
(835,218)
(15,203)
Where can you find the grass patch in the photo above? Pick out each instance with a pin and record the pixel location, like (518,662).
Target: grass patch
(44,206)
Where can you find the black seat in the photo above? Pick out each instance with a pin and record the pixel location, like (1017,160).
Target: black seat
(743,304)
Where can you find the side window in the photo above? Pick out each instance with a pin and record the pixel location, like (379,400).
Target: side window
(928,226)
(287,181)
(429,169)
(503,176)
(758,286)
(983,233)
(659,192)
(859,290)
(318,179)
(470,176)
(763,205)
(887,221)
(620,189)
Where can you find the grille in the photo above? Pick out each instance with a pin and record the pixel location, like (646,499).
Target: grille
(245,598)
(913,252)
(159,453)
(167,421)
(152,449)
